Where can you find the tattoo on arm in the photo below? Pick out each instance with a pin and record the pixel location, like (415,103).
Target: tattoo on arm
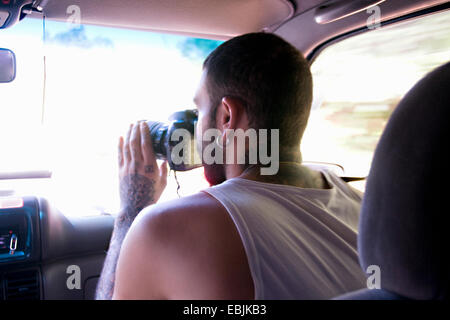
(148,169)
(136,192)
(105,287)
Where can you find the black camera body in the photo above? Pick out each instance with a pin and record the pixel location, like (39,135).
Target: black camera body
(164,142)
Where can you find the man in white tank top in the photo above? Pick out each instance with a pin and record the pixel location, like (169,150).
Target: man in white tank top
(290,234)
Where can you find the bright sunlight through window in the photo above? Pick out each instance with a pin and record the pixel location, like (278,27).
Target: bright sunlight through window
(98,81)
(358,82)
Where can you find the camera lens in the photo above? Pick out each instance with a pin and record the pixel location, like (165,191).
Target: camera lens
(164,140)
(159,135)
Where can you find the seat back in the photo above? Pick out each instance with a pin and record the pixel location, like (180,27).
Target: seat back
(404,224)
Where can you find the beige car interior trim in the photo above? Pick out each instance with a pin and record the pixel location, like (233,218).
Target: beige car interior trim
(218,19)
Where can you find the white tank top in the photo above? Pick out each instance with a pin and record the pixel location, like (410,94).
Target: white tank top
(300,243)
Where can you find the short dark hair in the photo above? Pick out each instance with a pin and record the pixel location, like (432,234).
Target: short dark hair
(270,76)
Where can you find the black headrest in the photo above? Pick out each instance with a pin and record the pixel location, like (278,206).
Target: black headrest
(404,224)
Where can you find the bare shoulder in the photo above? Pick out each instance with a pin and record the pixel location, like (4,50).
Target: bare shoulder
(175,218)
(193,246)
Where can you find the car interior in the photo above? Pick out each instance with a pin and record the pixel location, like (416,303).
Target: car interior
(381,75)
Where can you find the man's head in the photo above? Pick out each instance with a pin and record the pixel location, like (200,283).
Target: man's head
(258,81)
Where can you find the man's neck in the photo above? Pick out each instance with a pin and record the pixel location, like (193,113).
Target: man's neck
(289,173)
(285,157)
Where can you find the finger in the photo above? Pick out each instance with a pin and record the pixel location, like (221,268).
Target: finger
(135,143)
(120,151)
(163,173)
(126,148)
(147,146)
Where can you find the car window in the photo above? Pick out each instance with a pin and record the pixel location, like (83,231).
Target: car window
(358,83)
(98,81)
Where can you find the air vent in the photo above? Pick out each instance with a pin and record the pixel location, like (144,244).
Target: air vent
(22,285)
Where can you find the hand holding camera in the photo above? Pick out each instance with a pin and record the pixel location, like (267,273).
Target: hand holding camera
(141,180)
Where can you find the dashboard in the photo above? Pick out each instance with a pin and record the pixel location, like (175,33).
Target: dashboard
(46,255)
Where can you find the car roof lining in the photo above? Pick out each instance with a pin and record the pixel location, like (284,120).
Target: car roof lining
(293,20)
(214,19)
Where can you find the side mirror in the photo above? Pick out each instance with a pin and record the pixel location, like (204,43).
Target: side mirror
(7,65)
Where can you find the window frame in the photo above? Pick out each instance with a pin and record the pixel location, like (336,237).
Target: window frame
(407,17)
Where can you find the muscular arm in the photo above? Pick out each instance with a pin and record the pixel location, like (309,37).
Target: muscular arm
(132,191)
(105,287)
(140,186)
(187,248)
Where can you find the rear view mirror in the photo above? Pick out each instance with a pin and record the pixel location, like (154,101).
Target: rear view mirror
(7,65)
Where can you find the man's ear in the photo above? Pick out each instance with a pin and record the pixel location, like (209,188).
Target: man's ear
(230,114)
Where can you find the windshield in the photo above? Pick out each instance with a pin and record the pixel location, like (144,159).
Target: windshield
(98,81)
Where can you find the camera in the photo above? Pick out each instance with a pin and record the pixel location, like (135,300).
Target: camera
(166,137)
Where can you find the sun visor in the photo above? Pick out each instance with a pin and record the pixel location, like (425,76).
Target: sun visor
(210,18)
